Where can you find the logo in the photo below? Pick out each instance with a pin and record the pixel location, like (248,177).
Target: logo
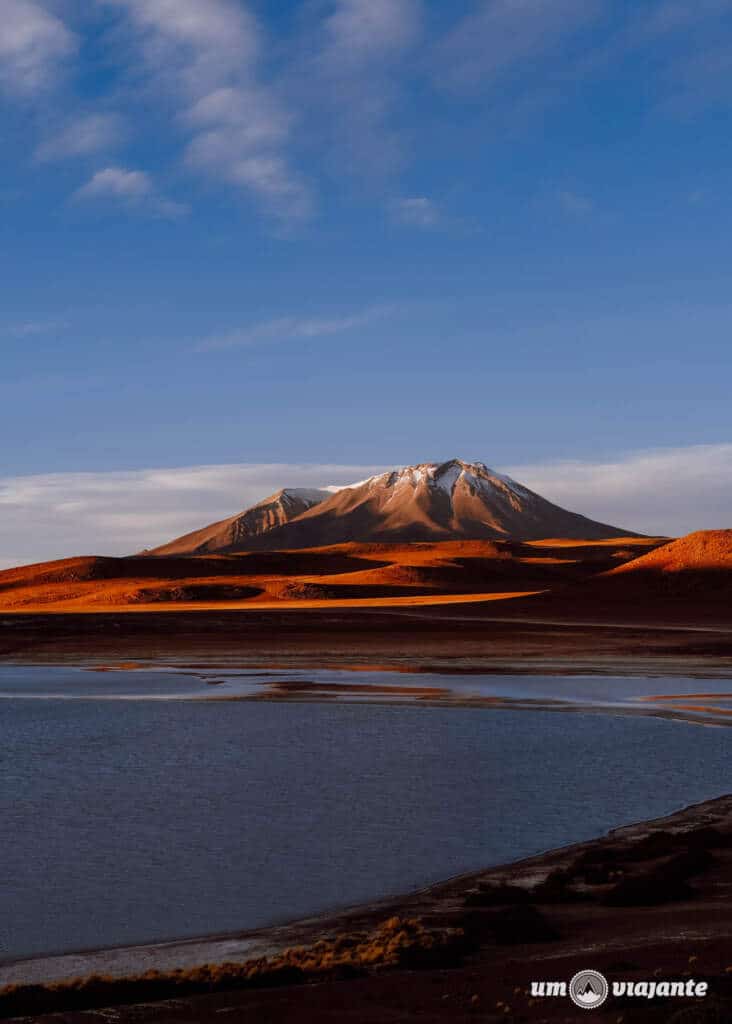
(588,989)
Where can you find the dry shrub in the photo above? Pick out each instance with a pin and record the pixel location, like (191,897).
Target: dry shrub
(394,943)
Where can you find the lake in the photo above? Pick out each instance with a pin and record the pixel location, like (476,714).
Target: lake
(134,809)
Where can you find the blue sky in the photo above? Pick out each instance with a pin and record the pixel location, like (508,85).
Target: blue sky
(362,232)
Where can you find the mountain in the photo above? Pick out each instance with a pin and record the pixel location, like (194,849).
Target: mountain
(233,534)
(452,500)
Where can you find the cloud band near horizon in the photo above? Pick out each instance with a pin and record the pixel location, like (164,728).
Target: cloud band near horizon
(42,517)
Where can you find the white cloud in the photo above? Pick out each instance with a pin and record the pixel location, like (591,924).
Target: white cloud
(417,212)
(669,492)
(34,43)
(32,328)
(252,112)
(82,136)
(34,46)
(200,39)
(662,491)
(206,53)
(365,32)
(290,327)
(118,183)
(266,175)
(133,188)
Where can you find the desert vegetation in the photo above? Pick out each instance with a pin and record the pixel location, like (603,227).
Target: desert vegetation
(396,942)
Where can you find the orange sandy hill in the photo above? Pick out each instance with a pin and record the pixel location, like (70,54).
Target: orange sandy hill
(352,574)
(696,568)
(704,552)
(685,580)
(453,500)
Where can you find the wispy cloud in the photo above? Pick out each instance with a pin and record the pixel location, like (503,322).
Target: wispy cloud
(366,32)
(685,50)
(668,491)
(83,136)
(651,23)
(118,183)
(33,328)
(699,80)
(504,36)
(36,51)
(574,203)
(34,44)
(135,189)
(291,328)
(416,212)
(351,80)
(206,53)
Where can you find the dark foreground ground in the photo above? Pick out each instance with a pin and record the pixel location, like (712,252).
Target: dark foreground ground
(649,902)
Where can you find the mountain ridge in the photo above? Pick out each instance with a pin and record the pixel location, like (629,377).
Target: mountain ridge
(269,513)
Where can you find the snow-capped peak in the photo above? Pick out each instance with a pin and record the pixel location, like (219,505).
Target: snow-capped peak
(443,475)
(295,495)
(336,488)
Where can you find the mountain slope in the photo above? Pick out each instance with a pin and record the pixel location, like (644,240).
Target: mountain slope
(233,533)
(452,500)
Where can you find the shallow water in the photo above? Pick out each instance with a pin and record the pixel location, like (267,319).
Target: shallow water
(134,820)
(695,699)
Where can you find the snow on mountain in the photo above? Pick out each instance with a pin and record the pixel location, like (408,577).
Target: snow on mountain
(440,474)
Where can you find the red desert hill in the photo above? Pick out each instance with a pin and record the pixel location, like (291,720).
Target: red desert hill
(687,580)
